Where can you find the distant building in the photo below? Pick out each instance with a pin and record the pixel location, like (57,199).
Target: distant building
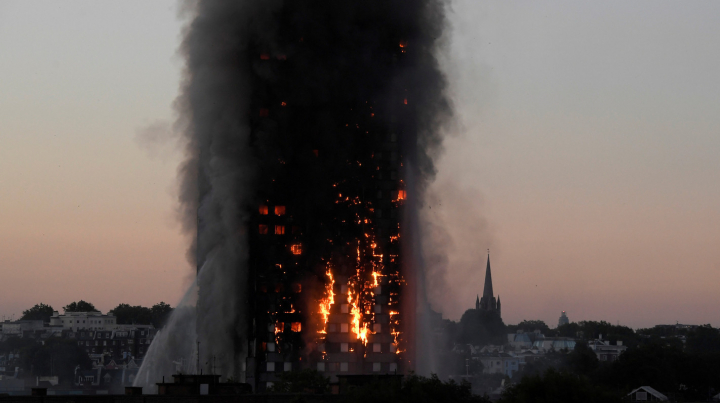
(554,343)
(519,341)
(606,351)
(19,326)
(84,321)
(563,319)
(488,302)
(646,394)
(500,363)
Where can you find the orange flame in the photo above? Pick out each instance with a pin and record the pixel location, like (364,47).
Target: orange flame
(328,301)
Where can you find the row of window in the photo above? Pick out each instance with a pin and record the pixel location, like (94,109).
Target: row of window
(327,366)
(279,210)
(344,367)
(106,321)
(264,229)
(280,287)
(345,328)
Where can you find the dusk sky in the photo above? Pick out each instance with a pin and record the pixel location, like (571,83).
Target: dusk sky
(584,155)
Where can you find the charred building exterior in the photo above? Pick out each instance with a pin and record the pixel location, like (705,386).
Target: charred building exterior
(315,123)
(325,238)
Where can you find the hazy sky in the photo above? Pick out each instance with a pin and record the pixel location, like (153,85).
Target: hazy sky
(585,157)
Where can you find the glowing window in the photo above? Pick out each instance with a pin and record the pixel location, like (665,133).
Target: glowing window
(344,328)
(263,210)
(279,229)
(344,308)
(263,229)
(402,195)
(296,327)
(279,210)
(296,249)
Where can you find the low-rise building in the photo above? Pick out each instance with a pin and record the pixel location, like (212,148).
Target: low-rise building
(500,363)
(17,327)
(554,344)
(646,394)
(83,320)
(519,340)
(606,351)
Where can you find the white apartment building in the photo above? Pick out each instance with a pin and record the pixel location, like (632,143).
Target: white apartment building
(84,320)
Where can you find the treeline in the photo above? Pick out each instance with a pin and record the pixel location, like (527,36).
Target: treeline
(684,372)
(126,314)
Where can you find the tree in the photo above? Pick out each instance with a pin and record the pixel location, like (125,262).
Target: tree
(129,315)
(38,312)
(557,387)
(80,306)
(703,339)
(479,327)
(414,389)
(529,326)
(160,312)
(582,360)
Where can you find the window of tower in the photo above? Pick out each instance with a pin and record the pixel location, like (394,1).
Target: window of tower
(263,210)
(279,229)
(279,210)
(402,195)
(295,327)
(263,229)
(296,249)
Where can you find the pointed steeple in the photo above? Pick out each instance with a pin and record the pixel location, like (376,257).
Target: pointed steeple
(477,302)
(488,290)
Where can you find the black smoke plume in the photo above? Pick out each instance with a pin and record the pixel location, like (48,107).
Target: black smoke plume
(282,100)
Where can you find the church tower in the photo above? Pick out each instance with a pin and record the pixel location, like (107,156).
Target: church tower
(488,301)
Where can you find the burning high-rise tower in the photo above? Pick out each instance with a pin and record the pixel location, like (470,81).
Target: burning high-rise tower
(311,127)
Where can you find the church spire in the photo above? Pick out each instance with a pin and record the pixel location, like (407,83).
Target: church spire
(488,290)
(477,302)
